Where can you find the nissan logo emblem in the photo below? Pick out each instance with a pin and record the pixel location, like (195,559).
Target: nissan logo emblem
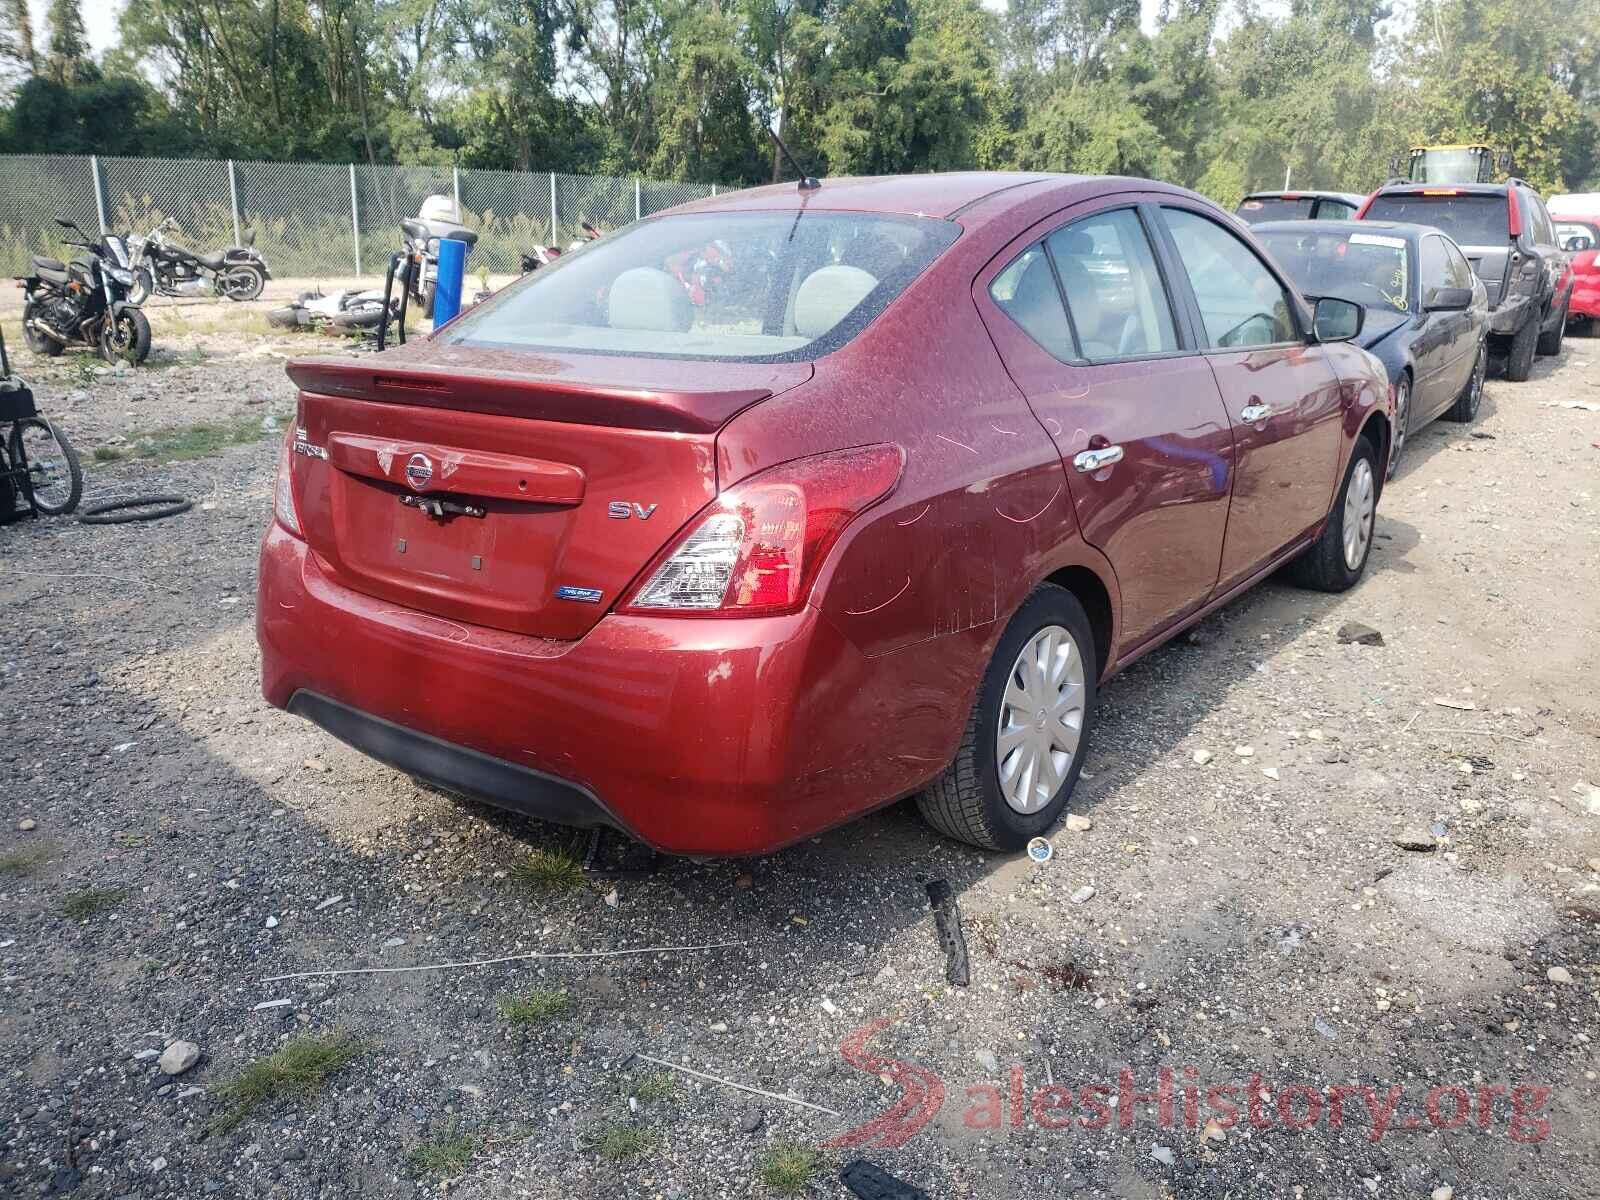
(419,471)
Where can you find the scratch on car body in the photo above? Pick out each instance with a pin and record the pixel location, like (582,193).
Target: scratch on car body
(861,612)
(953,442)
(1037,515)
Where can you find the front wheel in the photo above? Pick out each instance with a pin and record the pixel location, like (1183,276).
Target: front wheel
(143,288)
(1402,424)
(1519,359)
(242,282)
(1336,560)
(1550,341)
(41,344)
(1028,731)
(125,337)
(55,477)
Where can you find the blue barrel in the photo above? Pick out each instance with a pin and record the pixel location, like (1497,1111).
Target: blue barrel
(447,289)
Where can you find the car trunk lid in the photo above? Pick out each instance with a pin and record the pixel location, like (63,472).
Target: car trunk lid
(517,490)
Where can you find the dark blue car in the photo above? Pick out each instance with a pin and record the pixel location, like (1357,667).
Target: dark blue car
(1427,313)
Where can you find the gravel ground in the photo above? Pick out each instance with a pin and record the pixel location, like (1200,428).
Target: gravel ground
(168,843)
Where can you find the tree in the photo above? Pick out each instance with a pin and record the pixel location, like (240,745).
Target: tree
(69,60)
(16,36)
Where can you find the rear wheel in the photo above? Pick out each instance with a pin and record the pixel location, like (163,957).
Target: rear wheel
(1466,406)
(243,282)
(1519,359)
(1338,557)
(1550,340)
(55,476)
(41,344)
(428,297)
(125,337)
(1028,731)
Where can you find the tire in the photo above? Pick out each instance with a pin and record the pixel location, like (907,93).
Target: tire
(970,801)
(9,500)
(126,337)
(1519,359)
(41,344)
(1550,341)
(428,296)
(55,476)
(242,282)
(288,317)
(1465,409)
(135,508)
(143,288)
(1402,423)
(1326,565)
(366,317)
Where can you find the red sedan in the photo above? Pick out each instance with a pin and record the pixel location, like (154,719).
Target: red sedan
(871,515)
(1579,234)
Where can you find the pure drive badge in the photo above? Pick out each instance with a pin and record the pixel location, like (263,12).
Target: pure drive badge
(586,595)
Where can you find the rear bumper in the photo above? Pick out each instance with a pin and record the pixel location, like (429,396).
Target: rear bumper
(715,737)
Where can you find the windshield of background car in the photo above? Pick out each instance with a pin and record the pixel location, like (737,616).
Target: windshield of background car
(1470,220)
(745,286)
(1371,269)
(1445,166)
(1275,208)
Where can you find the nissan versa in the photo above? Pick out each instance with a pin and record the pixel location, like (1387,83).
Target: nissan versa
(776,508)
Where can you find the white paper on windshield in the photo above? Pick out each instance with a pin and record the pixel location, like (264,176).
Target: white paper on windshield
(1377,239)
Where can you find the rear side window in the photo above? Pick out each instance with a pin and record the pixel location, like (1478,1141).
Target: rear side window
(1027,291)
(1241,302)
(1539,220)
(1334,210)
(1471,220)
(741,286)
(1275,208)
(1460,270)
(1114,291)
(1434,270)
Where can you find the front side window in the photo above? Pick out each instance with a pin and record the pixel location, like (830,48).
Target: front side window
(1113,288)
(1365,268)
(1241,302)
(1460,269)
(747,286)
(1435,266)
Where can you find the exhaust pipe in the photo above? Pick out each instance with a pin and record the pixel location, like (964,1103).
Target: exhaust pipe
(39,326)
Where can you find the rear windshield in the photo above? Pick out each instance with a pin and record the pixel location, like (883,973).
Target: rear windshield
(754,287)
(1275,208)
(1470,220)
(1370,269)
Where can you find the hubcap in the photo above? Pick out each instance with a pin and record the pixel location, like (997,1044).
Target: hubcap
(1402,420)
(1041,719)
(1359,506)
(1479,370)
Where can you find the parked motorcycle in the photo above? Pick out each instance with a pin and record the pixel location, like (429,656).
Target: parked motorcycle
(165,268)
(83,303)
(543,256)
(437,218)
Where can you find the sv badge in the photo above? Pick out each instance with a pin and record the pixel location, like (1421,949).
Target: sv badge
(622,510)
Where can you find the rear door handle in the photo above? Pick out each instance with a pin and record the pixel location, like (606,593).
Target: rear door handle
(1088,461)
(1252,414)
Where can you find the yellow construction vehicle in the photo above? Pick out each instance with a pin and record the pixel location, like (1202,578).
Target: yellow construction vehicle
(1474,163)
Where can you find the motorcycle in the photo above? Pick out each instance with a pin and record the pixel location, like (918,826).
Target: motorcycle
(82,303)
(543,256)
(346,311)
(165,268)
(437,218)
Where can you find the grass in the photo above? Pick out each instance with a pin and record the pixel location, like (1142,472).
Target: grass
(25,861)
(445,1156)
(647,1089)
(535,1007)
(89,901)
(622,1142)
(298,1068)
(549,871)
(786,1168)
(185,442)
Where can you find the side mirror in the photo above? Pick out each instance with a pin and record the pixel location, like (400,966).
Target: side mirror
(1447,299)
(1577,242)
(1336,320)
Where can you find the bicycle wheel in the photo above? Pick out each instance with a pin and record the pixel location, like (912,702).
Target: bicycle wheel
(55,477)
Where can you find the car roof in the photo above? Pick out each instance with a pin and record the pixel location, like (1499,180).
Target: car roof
(1352,197)
(942,194)
(1410,230)
(1451,189)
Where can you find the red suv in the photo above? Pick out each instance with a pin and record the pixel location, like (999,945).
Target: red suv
(867,512)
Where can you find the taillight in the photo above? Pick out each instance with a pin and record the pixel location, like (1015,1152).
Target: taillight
(757,549)
(283,494)
(1513,212)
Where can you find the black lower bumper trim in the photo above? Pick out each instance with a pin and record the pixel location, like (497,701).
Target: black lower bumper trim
(455,768)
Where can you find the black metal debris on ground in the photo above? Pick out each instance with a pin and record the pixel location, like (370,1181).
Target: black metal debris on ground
(869,1181)
(947,919)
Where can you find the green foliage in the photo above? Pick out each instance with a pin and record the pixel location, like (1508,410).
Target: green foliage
(1226,99)
(549,871)
(81,905)
(535,1007)
(445,1156)
(786,1168)
(622,1142)
(26,860)
(298,1068)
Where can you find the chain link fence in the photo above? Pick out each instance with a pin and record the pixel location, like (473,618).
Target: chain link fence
(310,219)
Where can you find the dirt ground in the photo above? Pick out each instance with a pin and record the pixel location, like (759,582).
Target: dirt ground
(1380,1020)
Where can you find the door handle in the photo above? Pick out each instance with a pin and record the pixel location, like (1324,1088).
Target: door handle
(1089,461)
(1252,414)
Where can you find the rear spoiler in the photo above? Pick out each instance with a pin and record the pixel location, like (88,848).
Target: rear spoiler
(531,397)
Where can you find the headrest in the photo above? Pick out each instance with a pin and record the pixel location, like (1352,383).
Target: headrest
(1072,242)
(645,298)
(827,296)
